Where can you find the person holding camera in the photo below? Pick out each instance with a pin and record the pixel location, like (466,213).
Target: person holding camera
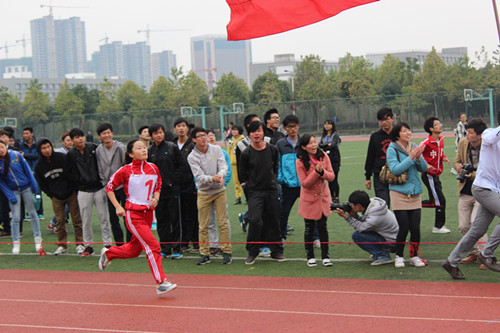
(376,227)
(405,156)
(315,171)
(486,190)
(466,163)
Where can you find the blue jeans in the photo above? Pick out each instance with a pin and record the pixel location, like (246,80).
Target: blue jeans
(27,196)
(377,250)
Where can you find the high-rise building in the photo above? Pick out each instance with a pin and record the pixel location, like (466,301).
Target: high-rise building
(137,60)
(110,61)
(162,64)
(214,55)
(58,47)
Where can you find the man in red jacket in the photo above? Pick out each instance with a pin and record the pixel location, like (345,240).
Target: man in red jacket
(434,156)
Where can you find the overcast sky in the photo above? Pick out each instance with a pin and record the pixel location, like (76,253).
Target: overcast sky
(387,25)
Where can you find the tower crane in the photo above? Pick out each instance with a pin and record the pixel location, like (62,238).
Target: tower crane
(24,40)
(6,48)
(148,32)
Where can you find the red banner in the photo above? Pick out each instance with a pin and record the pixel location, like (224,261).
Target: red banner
(258,18)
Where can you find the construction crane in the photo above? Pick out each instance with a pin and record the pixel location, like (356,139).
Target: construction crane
(24,40)
(148,31)
(105,39)
(51,7)
(210,76)
(6,48)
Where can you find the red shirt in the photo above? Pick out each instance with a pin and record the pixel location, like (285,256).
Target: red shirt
(140,180)
(434,154)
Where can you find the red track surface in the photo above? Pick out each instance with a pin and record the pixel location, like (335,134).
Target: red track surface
(34,301)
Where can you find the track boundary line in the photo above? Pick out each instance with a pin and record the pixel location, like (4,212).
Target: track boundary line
(267,311)
(260,289)
(75,328)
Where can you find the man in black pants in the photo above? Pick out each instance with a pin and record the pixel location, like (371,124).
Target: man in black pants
(169,160)
(258,169)
(375,156)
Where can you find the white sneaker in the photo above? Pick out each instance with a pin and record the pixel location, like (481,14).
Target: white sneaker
(164,287)
(60,250)
(443,230)
(38,243)
(317,243)
(327,262)
(80,248)
(312,262)
(399,262)
(103,260)
(16,248)
(417,262)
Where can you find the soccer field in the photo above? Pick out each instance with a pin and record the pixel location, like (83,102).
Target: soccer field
(349,260)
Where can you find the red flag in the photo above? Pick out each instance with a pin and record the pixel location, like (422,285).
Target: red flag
(258,18)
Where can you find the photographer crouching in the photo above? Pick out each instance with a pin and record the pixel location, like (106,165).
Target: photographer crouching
(376,227)
(466,162)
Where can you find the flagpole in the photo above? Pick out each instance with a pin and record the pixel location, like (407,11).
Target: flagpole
(496,18)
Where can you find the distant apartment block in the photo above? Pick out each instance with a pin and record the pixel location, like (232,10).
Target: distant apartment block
(58,47)
(16,67)
(110,61)
(214,55)
(449,55)
(51,87)
(162,64)
(137,60)
(283,65)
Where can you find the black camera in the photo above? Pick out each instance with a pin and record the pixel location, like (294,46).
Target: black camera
(467,168)
(345,206)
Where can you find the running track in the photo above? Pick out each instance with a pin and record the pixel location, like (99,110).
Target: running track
(52,301)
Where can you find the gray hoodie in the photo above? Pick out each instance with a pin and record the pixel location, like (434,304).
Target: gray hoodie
(205,166)
(377,218)
(109,161)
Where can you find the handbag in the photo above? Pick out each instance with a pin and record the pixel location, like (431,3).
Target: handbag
(387,177)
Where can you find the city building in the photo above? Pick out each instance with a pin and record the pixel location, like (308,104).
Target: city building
(110,61)
(162,64)
(9,66)
(449,55)
(214,55)
(52,86)
(283,65)
(137,60)
(58,47)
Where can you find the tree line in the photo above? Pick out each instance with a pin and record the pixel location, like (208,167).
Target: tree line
(355,77)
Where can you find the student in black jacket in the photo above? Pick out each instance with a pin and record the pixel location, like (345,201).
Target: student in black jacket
(375,156)
(169,160)
(82,165)
(51,173)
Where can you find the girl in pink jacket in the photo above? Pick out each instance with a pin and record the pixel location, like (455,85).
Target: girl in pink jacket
(315,171)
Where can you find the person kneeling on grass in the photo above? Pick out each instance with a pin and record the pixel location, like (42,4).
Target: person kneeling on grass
(376,227)
(141,182)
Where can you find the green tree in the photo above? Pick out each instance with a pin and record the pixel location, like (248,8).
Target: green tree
(131,97)
(433,76)
(160,92)
(90,98)
(390,77)
(311,81)
(268,88)
(67,102)
(10,104)
(231,89)
(107,98)
(36,104)
(355,77)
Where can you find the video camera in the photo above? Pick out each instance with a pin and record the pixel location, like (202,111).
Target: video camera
(345,206)
(467,168)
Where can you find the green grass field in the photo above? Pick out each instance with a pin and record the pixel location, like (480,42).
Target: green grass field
(349,260)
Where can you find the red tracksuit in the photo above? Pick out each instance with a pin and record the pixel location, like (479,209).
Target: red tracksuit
(434,154)
(140,180)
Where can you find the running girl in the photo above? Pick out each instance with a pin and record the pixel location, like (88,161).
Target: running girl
(141,182)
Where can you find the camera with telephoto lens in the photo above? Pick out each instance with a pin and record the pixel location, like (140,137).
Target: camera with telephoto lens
(467,168)
(345,206)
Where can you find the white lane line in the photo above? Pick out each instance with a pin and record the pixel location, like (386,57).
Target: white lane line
(73,328)
(267,311)
(262,289)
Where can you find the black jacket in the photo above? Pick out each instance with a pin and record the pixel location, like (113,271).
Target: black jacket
(169,160)
(274,136)
(186,182)
(83,168)
(375,156)
(52,176)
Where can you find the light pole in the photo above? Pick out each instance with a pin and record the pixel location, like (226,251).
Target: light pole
(293,88)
